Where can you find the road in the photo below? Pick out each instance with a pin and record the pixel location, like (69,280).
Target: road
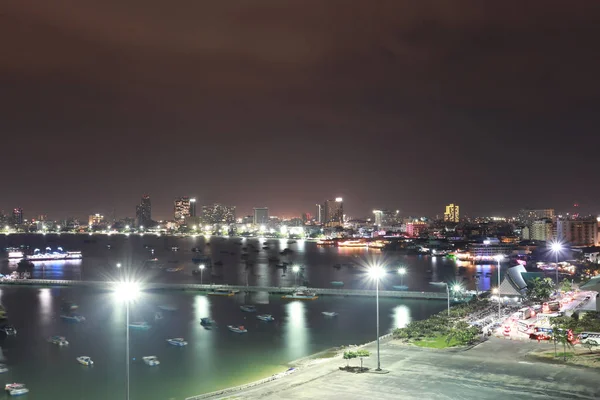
(496,369)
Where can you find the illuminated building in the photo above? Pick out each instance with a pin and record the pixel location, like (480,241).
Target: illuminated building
(181,208)
(192,207)
(95,219)
(17,216)
(333,212)
(386,218)
(452,213)
(378,217)
(527,216)
(319,216)
(415,228)
(541,230)
(579,232)
(218,214)
(143,212)
(261,216)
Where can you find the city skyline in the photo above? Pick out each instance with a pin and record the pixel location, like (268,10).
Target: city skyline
(387,115)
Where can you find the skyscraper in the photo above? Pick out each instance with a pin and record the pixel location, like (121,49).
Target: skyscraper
(261,216)
(143,212)
(181,208)
(218,214)
(95,219)
(333,212)
(17,216)
(192,207)
(452,213)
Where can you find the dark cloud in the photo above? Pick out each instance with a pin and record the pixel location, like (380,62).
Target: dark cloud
(397,104)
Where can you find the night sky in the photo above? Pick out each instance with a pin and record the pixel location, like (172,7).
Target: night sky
(393,104)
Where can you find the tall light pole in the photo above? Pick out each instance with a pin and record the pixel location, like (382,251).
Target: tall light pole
(556,249)
(401,272)
(296,269)
(499,258)
(377,272)
(201,266)
(127,291)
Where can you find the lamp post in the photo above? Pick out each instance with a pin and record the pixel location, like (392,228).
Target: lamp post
(556,249)
(377,273)
(499,258)
(401,272)
(296,269)
(201,267)
(127,291)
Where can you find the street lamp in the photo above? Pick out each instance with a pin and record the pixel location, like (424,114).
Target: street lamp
(118,265)
(296,269)
(377,272)
(127,291)
(499,258)
(201,267)
(556,248)
(401,272)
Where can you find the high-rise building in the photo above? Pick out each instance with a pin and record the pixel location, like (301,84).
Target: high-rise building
(452,213)
(319,216)
(541,230)
(261,216)
(577,232)
(17,216)
(192,207)
(527,216)
(218,214)
(378,217)
(143,212)
(333,212)
(181,208)
(95,219)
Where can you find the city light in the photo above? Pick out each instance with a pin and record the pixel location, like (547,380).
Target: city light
(402,270)
(201,266)
(296,268)
(118,265)
(376,272)
(127,291)
(338,199)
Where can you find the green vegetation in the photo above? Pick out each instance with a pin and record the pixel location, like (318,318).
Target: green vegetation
(566,285)
(440,330)
(540,289)
(350,355)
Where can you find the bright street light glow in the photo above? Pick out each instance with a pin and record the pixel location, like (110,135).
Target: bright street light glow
(457,288)
(295,268)
(499,257)
(127,291)
(495,290)
(401,270)
(118,265)
(376,272)
(201,266)
(556,247)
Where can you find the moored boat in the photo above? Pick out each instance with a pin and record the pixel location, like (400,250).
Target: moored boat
(330,313)
(166,307)
(265,317)
(248,308)
(223,292)
(437,283)
(3,368)
(143,325)
(301,295)
(72,317)
(180,342)
(58,340)
(400,287)
(18,392)
(9,330)
(337,283)
(151,360)
(207,321)
(237,329)
(85,360)
(12,386)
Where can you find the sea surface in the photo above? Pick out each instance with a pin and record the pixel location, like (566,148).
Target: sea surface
(214,358)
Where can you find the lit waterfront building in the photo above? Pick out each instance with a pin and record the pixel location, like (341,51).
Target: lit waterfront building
(95,219)
(319,216)
(143,212)
(261,216)
(218,214)
(541,230)
(452,213)
(528,216)
(181,208)
(333,212)
(378,217)
(192,207)
(577,232)
(17,216)
(415,228)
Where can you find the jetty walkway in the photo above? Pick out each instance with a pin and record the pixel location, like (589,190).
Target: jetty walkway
(208,288)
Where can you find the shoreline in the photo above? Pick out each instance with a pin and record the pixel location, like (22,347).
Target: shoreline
(292,367)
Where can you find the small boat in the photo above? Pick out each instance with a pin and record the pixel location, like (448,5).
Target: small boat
(69,306)
(265,317)
(237,329)
(177,342)
(174,248)
(174,269)
(58,340)
(248,308)
(337,283)
(13,386)
(438,283)
(151,360)
(158,316)
(166,307)
(18,392)
(207,321)
(3,368)
(72,318)
(85,360)
(223,292)
(9,330)
(142,326)
(330,313)
(400,287)
(300,295)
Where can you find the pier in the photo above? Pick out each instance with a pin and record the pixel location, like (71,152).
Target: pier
(208,288)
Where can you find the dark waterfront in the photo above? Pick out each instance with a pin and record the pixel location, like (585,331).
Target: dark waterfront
(214,358)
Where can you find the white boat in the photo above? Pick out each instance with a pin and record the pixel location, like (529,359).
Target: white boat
(165,307)
(143,326)
(174,248)
(207,321)
(58,340)
(18,392)
(15,253)
(73,318)
(151,360)
(223,292)
(3,368)
(300,295)
(329,313)
(247,308)
(177,342)
(50,255)
(438,283)
(265,317)
(85,360)
(237,329)
(9,330)
(13,386)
